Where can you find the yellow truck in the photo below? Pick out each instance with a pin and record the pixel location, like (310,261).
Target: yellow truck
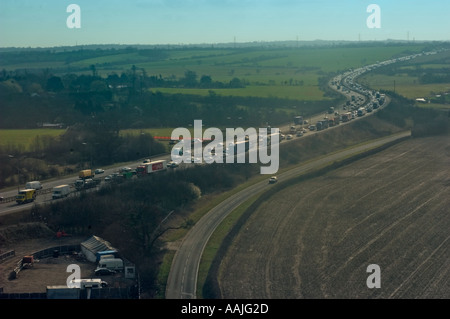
(86,173)
(26,196)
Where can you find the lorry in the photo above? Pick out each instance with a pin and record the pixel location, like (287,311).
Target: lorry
(26,196)
(86,173)
(111,263)
(33,185)
(152,167)
(298,120)
(61,191)
(87,183)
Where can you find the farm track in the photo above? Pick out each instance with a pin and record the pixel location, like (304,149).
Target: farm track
(315,239)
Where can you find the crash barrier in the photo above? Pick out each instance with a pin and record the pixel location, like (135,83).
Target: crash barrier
(7,254)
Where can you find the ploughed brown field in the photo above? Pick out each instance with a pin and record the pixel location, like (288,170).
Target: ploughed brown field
(316,239)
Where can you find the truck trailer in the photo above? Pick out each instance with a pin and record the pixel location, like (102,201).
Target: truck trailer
(61,191)
(152,167)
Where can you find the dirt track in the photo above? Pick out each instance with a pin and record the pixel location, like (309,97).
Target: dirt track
(316,239)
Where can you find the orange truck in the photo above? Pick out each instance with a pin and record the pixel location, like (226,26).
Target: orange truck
(86,173)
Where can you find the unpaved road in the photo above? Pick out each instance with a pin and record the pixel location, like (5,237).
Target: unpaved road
(315,239)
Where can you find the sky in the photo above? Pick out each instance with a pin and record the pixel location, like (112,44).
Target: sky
(36,23)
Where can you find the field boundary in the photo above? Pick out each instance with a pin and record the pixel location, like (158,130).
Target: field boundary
(211,287)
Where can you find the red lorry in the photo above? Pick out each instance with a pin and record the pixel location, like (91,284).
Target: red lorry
(152,167)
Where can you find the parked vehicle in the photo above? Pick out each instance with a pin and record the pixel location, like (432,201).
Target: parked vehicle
(89,283)
(152,167)
(26,196)
(109,253)
(104,272)
(99,171)
(115,264)
(273,180)
(61,191)
(33,185)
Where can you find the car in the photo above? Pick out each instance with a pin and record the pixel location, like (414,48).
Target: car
(99,171)
(172,164)
(125,169)
(146,161)
(299,133)
(104,272)
(289,137)
(312,127)
(273,179)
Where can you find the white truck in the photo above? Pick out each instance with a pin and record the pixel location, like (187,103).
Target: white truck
(61,191)
(111,263)
(34,185)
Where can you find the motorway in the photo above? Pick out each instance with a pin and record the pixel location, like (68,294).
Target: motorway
(182,279)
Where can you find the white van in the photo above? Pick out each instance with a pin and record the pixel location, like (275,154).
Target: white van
(34,185)
(61,191)
(111,263)
(88,283)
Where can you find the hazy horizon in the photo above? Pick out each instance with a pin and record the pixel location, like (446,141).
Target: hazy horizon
(27,23)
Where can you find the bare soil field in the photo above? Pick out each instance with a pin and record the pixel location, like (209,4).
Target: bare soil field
(316,239)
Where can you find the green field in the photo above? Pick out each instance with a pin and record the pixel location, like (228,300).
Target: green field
(24,138)
(408,86)
(288,73)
